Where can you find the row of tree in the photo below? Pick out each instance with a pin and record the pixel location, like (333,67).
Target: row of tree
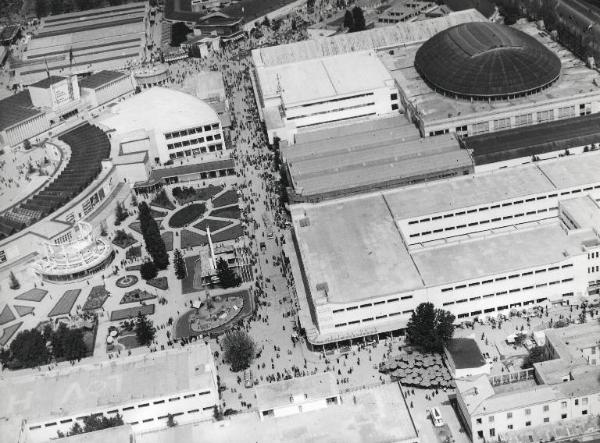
(32,348)
(354,20)
(154,242)
(93,423)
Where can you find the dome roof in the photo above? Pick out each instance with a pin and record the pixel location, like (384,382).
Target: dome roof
(486,60)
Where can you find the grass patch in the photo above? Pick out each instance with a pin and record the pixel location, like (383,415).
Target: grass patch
(123,314)
(228,198)
(136,295)
(190,239)
(35,294)
(228,212)
(187,215)
(162,200)
(129,341)
(214,225)
(98,295)
(64,305)
(157,214)
(168,239)
(228,234)
(159,282)
(123,240)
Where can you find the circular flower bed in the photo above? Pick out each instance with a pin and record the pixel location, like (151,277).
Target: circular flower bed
(127,281)
(187,215)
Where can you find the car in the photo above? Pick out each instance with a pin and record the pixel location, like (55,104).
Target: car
(436,417)
(248,378)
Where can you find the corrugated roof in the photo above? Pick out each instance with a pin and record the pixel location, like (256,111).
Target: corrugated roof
(15,109)
(99,79)
(534,140)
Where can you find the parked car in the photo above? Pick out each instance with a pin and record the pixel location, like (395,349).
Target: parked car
(436,417)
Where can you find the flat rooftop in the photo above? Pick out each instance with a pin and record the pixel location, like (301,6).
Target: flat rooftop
(378,38)
(494,186)
(70,390)
(496,253)
(374,415)
(322,79)
(583,212)
(15,109)
(575,80)
(352,250)
(312,387)
(465,353)
(534,140)
(100,79)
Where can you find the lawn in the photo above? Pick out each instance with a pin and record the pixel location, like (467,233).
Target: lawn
(187,215)
(209,192)
(35,294)
(162,201)
(6,315)
(129,341)
(188,194)
(134,252)
(159,282)
(190,283)
(123,314)
(168,239)
(135,296)
(157,214)
(228,234)
(64,305)
(228,212)
(214,225)
(24,310)
(190,239)
(123,240)
(226,199)
(8,332)
(98,295)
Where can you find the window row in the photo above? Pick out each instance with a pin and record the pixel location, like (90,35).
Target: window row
(196,151)
(190,131)
(509,277)
(368,305)
(344,108)
(500,308)
(193,141)
(370,319)
(499,205)
(124,409)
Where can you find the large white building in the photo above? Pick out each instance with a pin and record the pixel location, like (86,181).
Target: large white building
(477,246)
(143,389)
(514,406)
(169,125)
(325,90)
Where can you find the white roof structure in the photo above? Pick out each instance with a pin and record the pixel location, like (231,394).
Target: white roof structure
(309,388)
(88,387)
(159,109)
(324,78)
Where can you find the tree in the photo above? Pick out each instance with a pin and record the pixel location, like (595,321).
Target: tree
(239,350)
(29,349)
(349,21)
(14,283)
(359,19)
(41,9)
(57,7)
(68,343)
(96,422)
(536,355)
(266,22)
(154,242)
(148,270)
(120,213)
(144,330)
(179,264)
(430,328)
(227,277)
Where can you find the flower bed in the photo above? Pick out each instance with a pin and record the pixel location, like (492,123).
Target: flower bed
(187,215)
(159,282)
(127,281)
(227,212)
(98,295)
(213,224)
(228,198)
(123,240)
(136,295)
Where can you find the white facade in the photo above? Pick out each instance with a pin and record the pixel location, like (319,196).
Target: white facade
(450,249)
(95,97)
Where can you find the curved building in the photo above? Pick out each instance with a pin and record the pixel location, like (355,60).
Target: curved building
(169,124)
(82,256)
(486,60)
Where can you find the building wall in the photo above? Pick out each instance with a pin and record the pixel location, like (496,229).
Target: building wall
(524,114)
(108,92)
(380,101)
(206,137)
(25,130)
(489,426)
